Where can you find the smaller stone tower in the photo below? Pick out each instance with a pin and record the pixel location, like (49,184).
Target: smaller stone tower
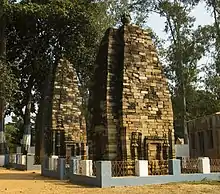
(63,130)
(68,123)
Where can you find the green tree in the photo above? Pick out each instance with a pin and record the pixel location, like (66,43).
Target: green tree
(210,38)
(12,133)
(39,34)
(181,56)
(7,81)
(213,47)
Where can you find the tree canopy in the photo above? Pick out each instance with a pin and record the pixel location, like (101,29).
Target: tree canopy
(35,34)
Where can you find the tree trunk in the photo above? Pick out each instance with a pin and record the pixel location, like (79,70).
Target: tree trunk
(27,118)
(175,34)
(2,62)
(2,134)
(43,121)
(184,123)
(217,29)
(40,124)
(27,127)
(38,127)
(181,78)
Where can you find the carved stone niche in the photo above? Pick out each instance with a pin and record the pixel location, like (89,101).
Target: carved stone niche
(155,148)
(136,148)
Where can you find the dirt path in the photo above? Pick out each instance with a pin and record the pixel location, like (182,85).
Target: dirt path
(13,182)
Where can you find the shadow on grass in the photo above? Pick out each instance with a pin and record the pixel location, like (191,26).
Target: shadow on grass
(202,182)
(68,184)
(206,182)
(21,176)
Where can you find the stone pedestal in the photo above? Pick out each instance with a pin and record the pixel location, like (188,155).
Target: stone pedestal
(174,166)
(104,173)
(141,168)
(53,161)
(18,158)
(75,165)
(23,159)
(61,168)
(86,167)
(2,160)
(204,165)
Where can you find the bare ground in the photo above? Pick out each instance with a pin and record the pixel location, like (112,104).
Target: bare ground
(13,182)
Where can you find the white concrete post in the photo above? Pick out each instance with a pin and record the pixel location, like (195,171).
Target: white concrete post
(23,159)
(86,167)
(141,168)
(18,158)
(2,160)
(204,165)
(75,166)
(53,162)
(89,167)
(14,158)
(61,168)
(174,166)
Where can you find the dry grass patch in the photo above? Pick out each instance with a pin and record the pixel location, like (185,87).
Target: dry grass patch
(13,182)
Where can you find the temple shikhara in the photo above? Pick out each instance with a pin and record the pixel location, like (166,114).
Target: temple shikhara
(130,113)
(130,107)
(64,131)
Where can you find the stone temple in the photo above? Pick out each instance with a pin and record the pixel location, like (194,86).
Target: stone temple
(130,113)
(66,113)
(64,131)
(130,110)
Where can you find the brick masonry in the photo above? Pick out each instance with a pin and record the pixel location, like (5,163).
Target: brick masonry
(130,110)
(63,124)
(67,103)
(66,106)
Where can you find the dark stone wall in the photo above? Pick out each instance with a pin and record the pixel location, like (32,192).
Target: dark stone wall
(105,99)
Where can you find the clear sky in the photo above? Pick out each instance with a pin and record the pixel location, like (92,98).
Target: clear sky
(200,13)
(203,17)
(157,24)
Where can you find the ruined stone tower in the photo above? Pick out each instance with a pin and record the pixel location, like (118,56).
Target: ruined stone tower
(63,132)
(68,122)
(130,110)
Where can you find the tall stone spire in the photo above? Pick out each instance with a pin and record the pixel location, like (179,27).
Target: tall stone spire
(130,109)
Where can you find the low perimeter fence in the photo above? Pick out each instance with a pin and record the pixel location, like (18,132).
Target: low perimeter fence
(22,162)
(130,173)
